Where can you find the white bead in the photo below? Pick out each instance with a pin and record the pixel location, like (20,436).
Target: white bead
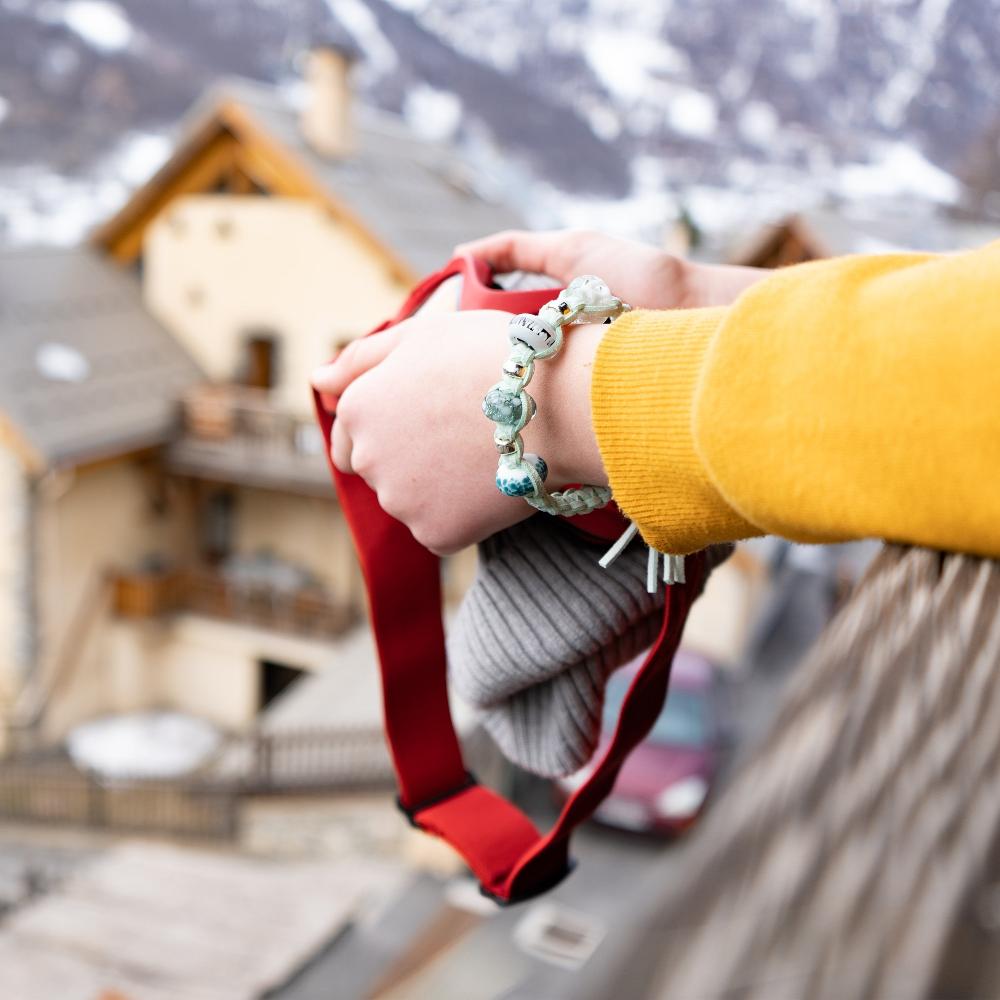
(590,290)
(531,330)
(594,299)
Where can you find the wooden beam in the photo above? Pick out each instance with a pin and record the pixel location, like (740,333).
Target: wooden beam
(240,182)
(102,461)
(197,170)
(14,441)
(860,832)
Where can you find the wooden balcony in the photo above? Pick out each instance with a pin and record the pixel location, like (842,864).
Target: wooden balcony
(235,434)
(302,609)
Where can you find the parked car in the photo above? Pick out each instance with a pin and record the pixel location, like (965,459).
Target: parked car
(665,782)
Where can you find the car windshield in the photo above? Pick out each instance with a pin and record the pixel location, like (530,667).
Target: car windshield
(683,721)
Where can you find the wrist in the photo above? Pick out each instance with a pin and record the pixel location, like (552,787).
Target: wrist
(644,396)
(705,285)
(565,419)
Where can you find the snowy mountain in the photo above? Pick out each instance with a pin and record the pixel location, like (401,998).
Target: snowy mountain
(611,111)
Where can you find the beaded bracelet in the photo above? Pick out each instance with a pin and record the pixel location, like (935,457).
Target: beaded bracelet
(586,299)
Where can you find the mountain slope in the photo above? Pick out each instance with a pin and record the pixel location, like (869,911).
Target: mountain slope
(722,103)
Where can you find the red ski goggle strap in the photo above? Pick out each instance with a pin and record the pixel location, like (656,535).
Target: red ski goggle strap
(511,858)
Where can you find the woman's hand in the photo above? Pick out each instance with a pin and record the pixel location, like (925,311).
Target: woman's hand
(408,416)
(643,275)
(409,422)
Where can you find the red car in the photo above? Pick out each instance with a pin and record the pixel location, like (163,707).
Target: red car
(663,784)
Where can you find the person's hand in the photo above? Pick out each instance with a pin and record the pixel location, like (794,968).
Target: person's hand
(645,276)
(408,421)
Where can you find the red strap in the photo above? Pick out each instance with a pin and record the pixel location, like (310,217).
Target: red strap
(508,855)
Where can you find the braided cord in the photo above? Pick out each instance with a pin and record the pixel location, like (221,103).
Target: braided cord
(567,503)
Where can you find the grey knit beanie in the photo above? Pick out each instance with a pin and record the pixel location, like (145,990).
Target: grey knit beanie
(539,633)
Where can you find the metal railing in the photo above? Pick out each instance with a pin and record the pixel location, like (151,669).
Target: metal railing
(313,759)
(205,804)
(55,792)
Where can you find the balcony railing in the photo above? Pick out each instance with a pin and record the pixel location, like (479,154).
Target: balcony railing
(306,610)
(236,434)
(49,789)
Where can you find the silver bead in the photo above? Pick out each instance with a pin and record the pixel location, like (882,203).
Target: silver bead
(531,330)
(505,440)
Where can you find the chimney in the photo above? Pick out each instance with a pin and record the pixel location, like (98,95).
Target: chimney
(326,116)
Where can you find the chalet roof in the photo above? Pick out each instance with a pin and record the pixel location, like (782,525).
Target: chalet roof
(415,195)
(834,232)
(87,371)
(844,232)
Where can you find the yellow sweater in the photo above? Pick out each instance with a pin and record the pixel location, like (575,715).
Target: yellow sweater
(841,399)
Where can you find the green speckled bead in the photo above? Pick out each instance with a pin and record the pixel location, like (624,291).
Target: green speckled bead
(502,407)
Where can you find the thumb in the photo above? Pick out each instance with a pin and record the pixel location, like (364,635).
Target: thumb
(354,360)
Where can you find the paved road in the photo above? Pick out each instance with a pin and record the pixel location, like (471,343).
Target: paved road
(485,962)
(614,874)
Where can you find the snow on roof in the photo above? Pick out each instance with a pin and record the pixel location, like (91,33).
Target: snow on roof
(153,744)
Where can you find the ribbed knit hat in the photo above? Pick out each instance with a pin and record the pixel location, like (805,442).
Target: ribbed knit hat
(540,631)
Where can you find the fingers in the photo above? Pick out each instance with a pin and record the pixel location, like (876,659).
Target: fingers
(340,446)
(516,250)
(354,360)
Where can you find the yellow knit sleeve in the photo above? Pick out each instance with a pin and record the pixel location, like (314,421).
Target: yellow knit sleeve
(842,399)
(647,367)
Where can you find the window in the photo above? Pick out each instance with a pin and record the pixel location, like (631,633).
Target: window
(260,360)
(217,525)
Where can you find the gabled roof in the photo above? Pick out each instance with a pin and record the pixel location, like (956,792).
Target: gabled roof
(87,372)
(832,232)
(412,197)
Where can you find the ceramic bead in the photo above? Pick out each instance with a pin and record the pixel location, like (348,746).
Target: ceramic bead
(514,481)
(502,407)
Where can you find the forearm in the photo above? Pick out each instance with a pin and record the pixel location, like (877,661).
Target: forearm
(717,284)
(569,380)
(843,399)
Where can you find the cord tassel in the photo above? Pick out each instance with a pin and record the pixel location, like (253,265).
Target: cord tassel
(673,570)
(673,566)
(652,568)
(619,547)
